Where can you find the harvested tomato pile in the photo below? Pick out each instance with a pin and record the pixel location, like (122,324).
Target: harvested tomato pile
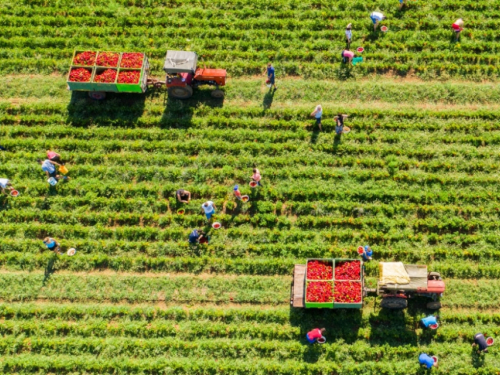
(108,76)
(79,75)
(108,59)
(319,291)
(131,76)
(348,270)
(86,58)
(347,291)
(318,270)
(132,60)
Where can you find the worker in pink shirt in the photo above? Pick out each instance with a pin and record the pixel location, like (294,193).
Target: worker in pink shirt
(315,334)
(347,56)
(256,176)
(54,156)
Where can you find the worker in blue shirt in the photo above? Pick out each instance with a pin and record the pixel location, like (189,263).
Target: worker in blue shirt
(197,236)
(270,75)
(426,360)
(428,321)
(367,253)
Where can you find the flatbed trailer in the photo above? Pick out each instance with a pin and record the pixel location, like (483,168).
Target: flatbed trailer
(397,283)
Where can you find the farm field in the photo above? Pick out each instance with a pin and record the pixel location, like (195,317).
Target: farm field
(417,179)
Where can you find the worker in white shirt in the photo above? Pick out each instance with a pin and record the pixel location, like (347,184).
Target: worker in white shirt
(376,17)
(209,209)
(348,36)
(5,185)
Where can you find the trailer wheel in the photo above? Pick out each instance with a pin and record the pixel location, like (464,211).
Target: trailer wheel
(434,305)
(219,94)
(180,92)
(97,95)
(394,303)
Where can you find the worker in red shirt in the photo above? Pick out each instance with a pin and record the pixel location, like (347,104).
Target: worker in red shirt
(237,192)
(314,335)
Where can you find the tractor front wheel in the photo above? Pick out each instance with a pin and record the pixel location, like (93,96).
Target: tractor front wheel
(180,92)
(434,305)
(219,94)
(394,303)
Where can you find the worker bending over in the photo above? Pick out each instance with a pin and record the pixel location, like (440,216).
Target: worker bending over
(314,335)
(376,18)
(5,185)
(427,360)
(480,342)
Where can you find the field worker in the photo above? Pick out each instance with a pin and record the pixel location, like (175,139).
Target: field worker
(256,176)
(183,195)
(3,148)
(376,18)
(339,119)
(426,360)
(401,4)
(317,113)
(348,35)
(197,236)
(270,75)
(52,245)
(314,335)
(480,341)
(209,209)
(49,168)
(54,156)
(367,253)
(5,185)
(457,27)
(237,192)
(428,321)
(347,56)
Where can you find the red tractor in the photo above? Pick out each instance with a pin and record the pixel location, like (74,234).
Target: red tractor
(183,75)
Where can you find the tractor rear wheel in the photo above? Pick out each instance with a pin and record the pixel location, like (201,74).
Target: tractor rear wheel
(180,92)
(434,305)
(219,94)
(394,303)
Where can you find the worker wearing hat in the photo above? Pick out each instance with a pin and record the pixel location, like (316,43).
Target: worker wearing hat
(457,27)
(348,36)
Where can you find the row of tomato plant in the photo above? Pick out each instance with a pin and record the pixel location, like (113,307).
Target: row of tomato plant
(248,266)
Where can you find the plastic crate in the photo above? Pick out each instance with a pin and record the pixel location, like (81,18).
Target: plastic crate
(106,87)
(357,305)
(319,305)
(109,67)
(76,52)
(328,305)
(85,86)
(131,87)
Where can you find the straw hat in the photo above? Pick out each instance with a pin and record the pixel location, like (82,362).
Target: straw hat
(349,26)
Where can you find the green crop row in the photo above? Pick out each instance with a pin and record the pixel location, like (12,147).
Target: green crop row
(275,315)
(28,364)
(194,289)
